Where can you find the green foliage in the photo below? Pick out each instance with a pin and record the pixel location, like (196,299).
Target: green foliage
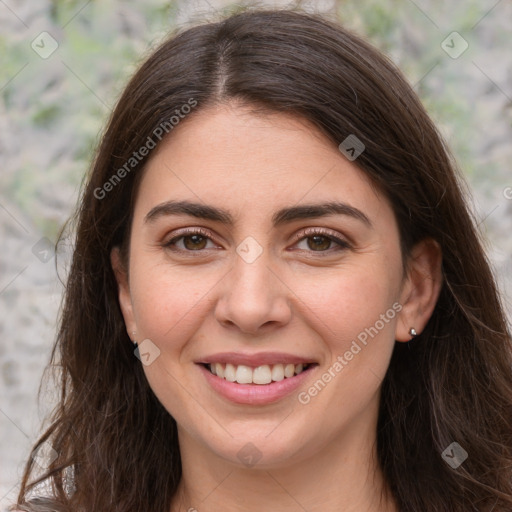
(46,115)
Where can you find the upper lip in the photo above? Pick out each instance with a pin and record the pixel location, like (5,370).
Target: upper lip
(255,360)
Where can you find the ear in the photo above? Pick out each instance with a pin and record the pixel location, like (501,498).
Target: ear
(420,289)
(125,300)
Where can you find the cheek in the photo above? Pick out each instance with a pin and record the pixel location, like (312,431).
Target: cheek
(168,300)
(170,304)
(347,303)
(355,316)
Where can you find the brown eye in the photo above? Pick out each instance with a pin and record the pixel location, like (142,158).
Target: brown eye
(319,243)
(194,242)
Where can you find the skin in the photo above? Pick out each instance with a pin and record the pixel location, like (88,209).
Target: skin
(297,297)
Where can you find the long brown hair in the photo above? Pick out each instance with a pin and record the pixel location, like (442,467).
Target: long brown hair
(117,446)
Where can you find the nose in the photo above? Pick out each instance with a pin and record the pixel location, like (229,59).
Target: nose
(253,297)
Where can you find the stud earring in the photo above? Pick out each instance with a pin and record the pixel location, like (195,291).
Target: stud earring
(134,333)
(412,332)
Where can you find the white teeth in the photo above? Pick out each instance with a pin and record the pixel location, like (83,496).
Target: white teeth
(219,370)
(278,372)
(289,370)
(229,373)
(264,374)
(243,374)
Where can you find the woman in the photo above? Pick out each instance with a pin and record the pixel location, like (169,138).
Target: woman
(275,224)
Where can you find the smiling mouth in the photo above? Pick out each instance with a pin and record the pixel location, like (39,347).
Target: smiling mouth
(265,374)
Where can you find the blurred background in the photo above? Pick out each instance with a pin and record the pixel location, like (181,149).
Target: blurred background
(64,63)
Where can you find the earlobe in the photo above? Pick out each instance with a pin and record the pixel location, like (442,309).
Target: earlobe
(420,290)
(124,296)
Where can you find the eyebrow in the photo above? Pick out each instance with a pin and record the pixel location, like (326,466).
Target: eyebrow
(283,216)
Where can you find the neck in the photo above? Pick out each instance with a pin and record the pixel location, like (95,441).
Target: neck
(344,475)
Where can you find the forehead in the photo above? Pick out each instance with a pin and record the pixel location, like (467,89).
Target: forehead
(251,163)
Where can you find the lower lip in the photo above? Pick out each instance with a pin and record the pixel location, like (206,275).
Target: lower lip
(255,394)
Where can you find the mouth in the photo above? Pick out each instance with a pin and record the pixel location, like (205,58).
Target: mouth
(260,375)
(256,379)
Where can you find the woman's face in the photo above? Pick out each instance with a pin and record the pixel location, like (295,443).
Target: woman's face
(236,259)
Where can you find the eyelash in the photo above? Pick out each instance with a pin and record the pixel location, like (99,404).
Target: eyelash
(303,235)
